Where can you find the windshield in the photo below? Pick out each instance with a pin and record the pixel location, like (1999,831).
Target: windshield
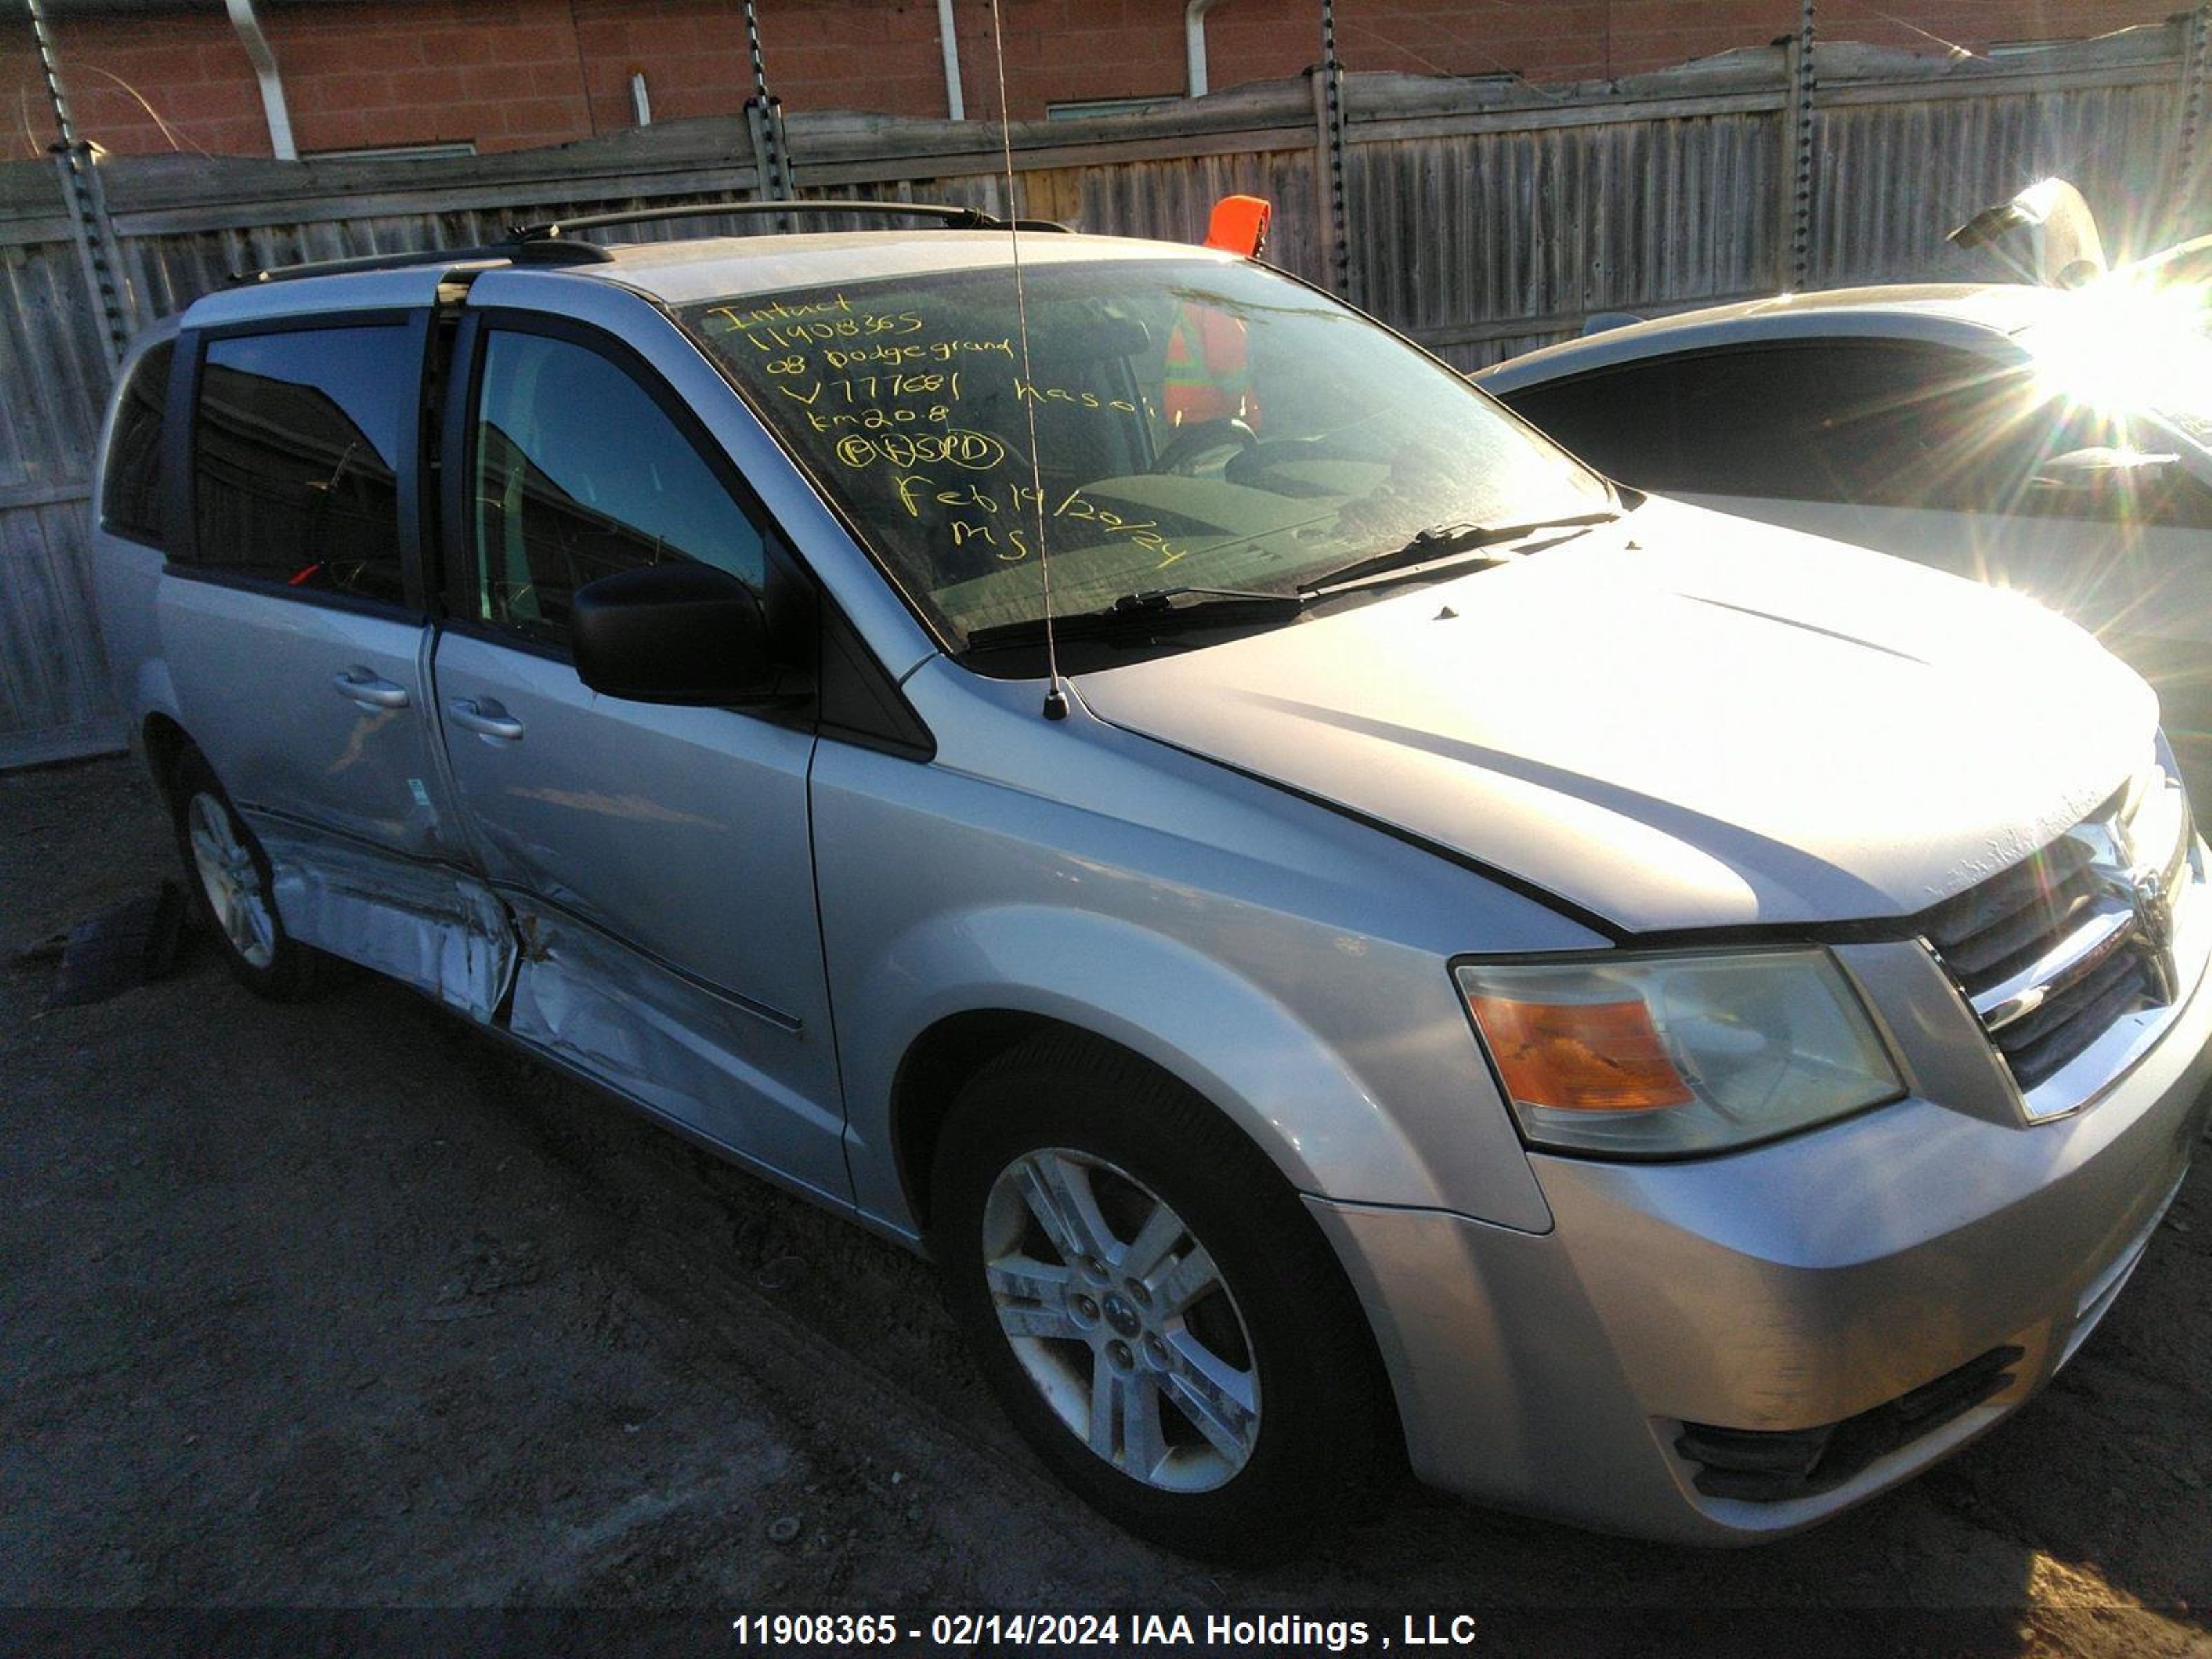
(1198,423)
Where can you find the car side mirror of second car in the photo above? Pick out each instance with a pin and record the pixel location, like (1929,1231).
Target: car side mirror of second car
(2103,474)
(676,633)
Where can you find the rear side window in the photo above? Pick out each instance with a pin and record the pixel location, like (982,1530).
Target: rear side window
(130,494)
(579,473)
(295,455)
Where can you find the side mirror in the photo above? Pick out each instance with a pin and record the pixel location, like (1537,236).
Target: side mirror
(2103,474)
(2045,235)
(681,632)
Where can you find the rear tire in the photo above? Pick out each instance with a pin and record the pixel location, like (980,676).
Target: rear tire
(1154,1306)
(234,891)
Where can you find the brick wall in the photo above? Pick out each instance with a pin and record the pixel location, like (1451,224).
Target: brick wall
(509,74)
(1588,39)
(190,67)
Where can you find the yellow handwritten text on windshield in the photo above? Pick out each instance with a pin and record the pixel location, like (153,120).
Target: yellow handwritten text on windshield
(879,391)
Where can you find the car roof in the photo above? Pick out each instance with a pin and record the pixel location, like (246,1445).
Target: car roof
(2185,259)
(696,270)
(724,267)
(1982,316)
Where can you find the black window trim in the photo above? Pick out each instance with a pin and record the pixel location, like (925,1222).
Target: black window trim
(158,540)
(180,439)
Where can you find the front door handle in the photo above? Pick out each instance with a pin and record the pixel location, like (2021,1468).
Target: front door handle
(370,689)
(485,717)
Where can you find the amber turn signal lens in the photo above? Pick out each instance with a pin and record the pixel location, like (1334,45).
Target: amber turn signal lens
(1580,1057)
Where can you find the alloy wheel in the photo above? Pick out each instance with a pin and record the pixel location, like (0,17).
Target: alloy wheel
(1120,1316)
(237,894)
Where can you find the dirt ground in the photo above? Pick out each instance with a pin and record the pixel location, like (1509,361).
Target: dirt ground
(344,1305)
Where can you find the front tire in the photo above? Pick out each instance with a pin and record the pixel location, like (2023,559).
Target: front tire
(1152,1306)
(234,891)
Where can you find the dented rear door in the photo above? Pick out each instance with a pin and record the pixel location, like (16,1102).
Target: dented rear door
(292,617)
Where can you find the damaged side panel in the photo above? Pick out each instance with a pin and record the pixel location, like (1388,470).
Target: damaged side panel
(610,1012)
(671,1044)
(424,925)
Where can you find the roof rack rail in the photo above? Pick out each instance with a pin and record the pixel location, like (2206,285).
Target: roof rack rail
(533,253)
(552,242)
(954,218)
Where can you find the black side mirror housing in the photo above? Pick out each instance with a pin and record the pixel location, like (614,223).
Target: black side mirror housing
(676,633)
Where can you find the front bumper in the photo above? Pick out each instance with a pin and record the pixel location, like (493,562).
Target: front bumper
(1787,1287)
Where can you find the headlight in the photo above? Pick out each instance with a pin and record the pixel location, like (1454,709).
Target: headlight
(1664,1055)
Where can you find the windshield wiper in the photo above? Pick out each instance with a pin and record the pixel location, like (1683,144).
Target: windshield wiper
(1152,610)
(1438,542)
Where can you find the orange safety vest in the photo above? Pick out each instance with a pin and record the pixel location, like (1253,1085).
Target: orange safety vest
(1207,377)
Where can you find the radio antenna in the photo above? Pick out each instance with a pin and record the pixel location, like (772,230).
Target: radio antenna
(1056,695)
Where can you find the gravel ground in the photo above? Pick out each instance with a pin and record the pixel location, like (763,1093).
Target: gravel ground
(346,1305)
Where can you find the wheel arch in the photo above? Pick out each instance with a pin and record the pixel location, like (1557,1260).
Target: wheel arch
(1000,976)
(961,1047)
(164,741)
(931,1074)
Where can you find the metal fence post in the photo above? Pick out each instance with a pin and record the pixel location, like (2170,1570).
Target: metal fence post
(87,201)
(1797,152)
(764,117)
(1324,210)
(2194,150)
(1329,98)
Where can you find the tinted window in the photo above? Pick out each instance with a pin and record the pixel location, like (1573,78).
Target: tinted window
(131,499)
(1620,421)
(579,474)
(296,457)
(1888,424)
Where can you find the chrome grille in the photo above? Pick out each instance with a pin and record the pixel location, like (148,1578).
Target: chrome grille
(2053,952)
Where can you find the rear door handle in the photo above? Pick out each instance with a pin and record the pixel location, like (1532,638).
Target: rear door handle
(485,717)
(365,686)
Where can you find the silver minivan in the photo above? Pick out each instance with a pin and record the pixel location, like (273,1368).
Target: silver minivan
(1352,939)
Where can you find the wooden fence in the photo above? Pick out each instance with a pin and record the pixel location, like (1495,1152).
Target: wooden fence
(1483,219)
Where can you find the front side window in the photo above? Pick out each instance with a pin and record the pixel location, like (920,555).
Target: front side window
(1196,422)
(131,499)
(1878,423)
(1621,421)
(1820,422)
(296,457)
(579,473)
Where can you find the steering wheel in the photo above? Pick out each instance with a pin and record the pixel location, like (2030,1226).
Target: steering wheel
(1257,463)
(1202,438)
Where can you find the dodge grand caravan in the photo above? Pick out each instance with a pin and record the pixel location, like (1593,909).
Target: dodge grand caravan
(1656,1020)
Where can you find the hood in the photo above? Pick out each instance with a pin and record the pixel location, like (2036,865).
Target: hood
(1680,720)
